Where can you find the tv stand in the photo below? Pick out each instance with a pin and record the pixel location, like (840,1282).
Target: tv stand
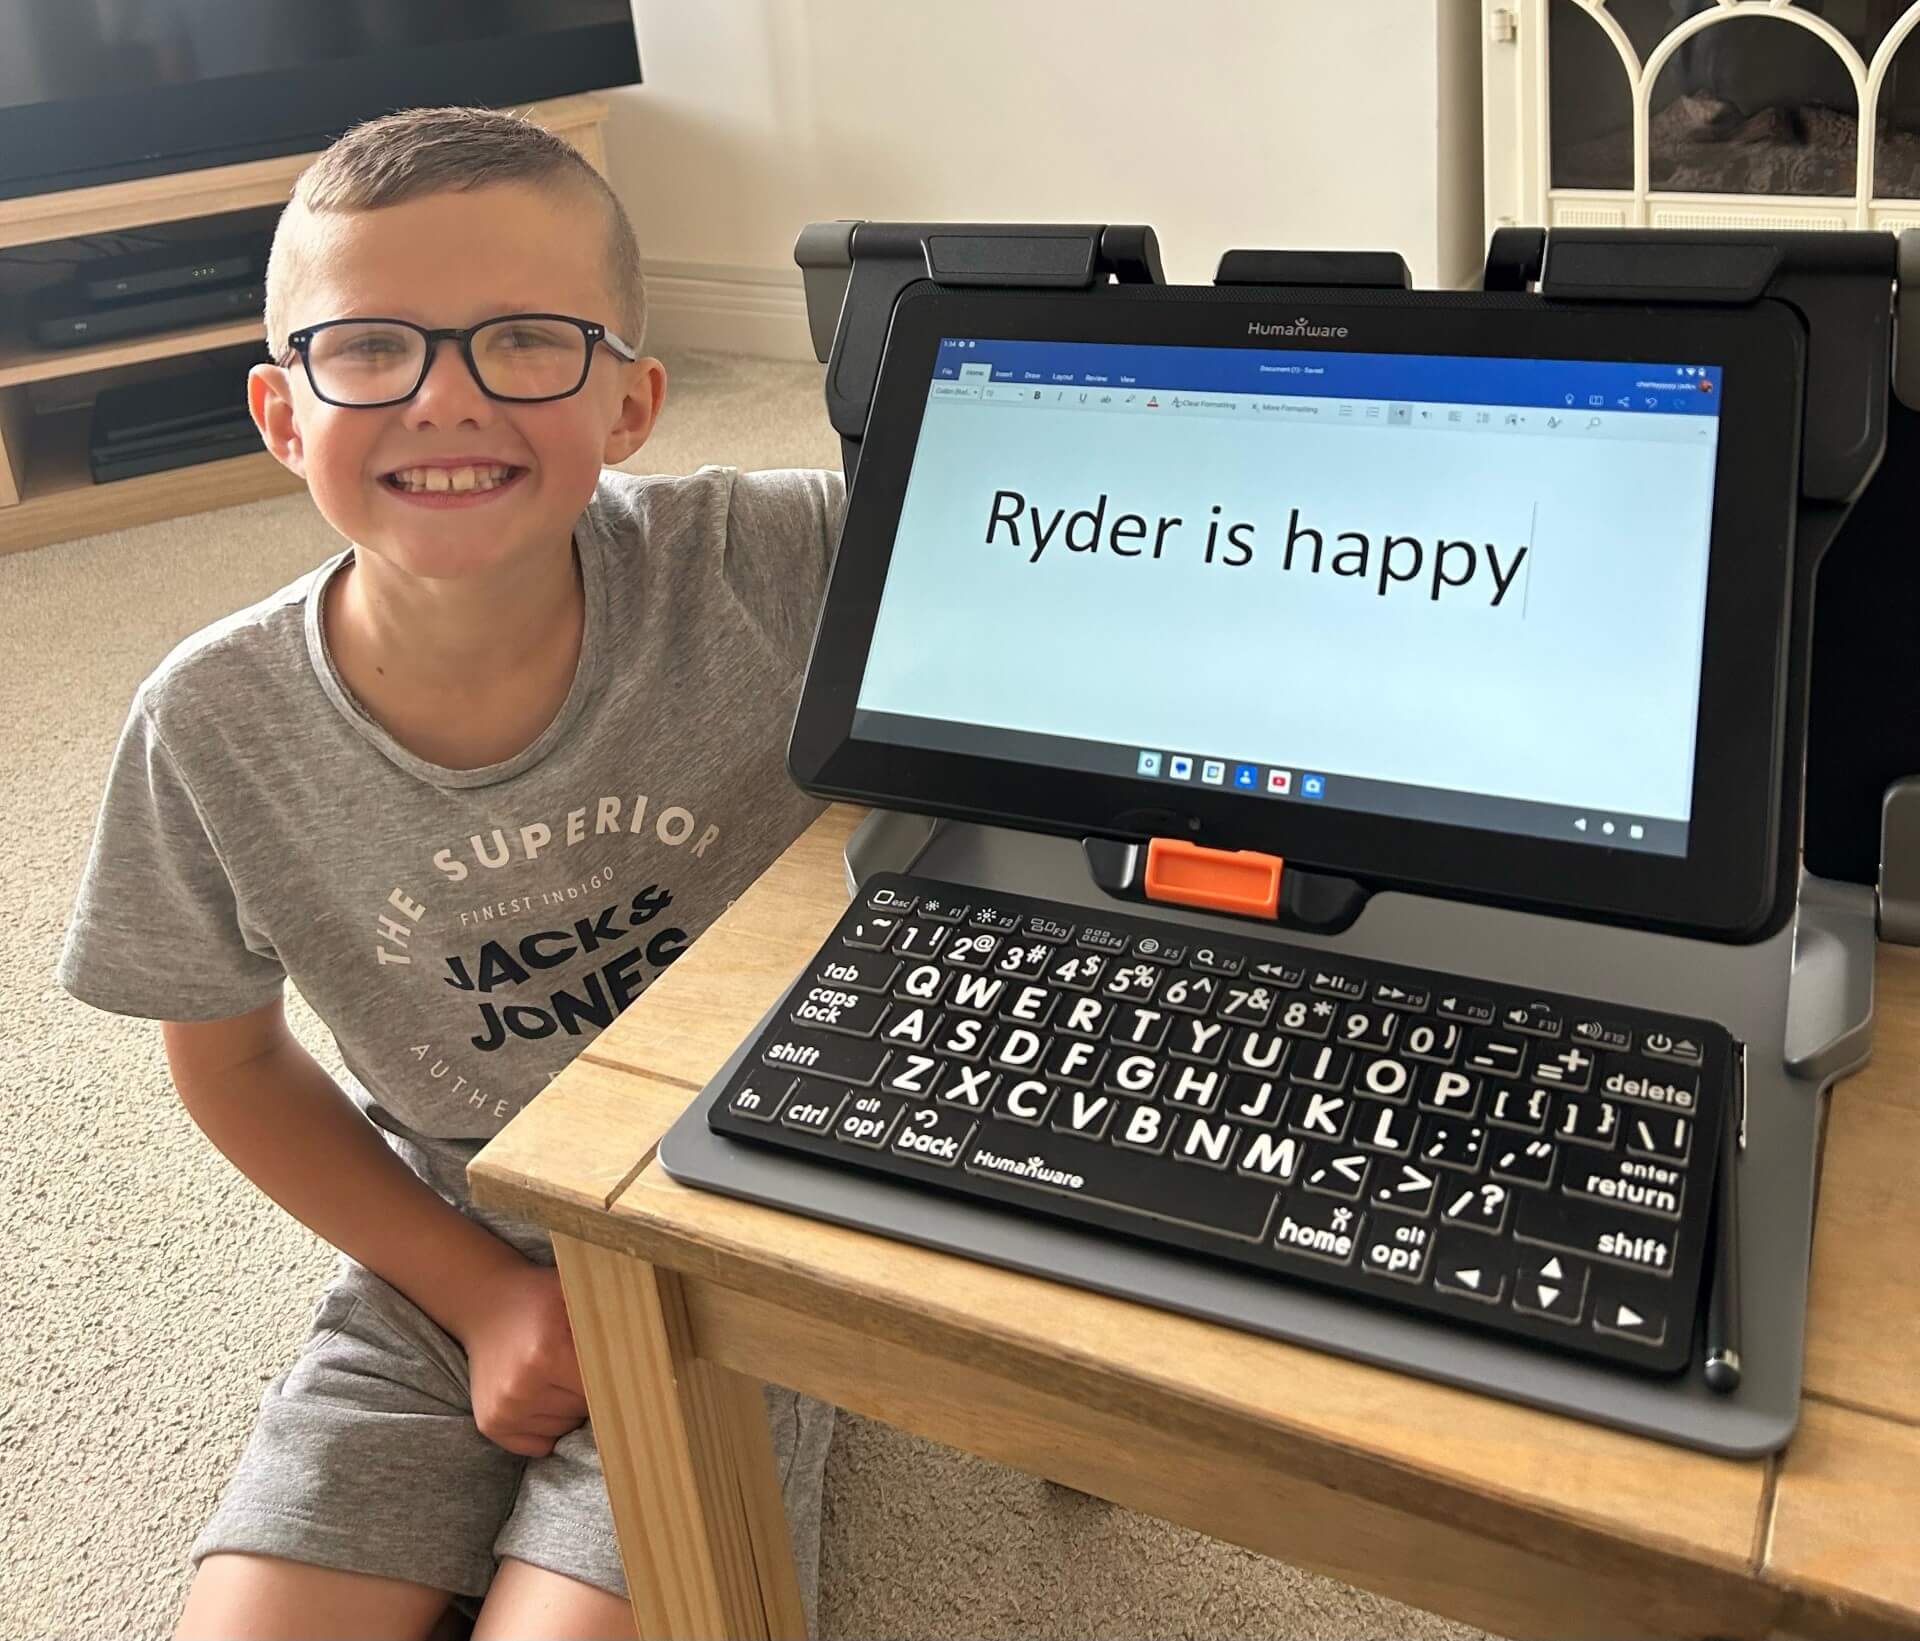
(46,491)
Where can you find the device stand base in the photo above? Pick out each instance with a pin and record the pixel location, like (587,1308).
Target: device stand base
(1801,1001)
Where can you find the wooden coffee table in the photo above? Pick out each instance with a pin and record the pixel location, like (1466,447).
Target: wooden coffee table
(1519,1521)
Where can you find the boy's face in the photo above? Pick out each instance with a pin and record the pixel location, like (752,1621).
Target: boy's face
(451,260)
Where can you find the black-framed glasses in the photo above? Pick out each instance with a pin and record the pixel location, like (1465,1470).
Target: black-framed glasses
(522,358)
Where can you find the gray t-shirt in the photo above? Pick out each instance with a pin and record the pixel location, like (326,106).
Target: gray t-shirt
(465,933)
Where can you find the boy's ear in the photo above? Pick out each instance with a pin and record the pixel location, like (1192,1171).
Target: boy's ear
(643,389)
(270,400)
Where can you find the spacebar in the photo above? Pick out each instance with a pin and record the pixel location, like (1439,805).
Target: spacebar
(1218,1203)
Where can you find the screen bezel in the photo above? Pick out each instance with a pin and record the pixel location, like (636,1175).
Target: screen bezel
(1725,887)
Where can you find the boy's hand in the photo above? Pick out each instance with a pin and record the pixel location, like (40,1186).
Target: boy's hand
(520,1356)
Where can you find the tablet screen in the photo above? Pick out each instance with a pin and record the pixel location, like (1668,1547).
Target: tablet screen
(1468,590)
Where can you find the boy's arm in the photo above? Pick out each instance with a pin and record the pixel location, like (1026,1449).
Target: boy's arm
(284,1123)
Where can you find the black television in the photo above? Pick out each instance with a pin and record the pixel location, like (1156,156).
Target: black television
(98,91)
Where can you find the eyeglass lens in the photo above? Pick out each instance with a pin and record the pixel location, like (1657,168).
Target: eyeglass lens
(367,362)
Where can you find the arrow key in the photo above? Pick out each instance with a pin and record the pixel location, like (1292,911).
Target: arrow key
(1472,1268)
(1644,1324)
(1555,1287)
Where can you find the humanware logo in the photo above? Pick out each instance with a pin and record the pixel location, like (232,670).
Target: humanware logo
(1298,327)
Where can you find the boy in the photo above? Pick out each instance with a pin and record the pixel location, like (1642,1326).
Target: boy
(471,785)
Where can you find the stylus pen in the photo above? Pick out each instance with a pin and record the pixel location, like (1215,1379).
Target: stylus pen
(1723,1303)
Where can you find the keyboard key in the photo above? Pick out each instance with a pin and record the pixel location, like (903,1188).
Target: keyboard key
(1663,1087)
(852,1013)
(1158,949)
(1381,1127)
(1368,1028)
(1304,1018)
(976,993)
(943,909)
(1195,1088)
(1018,1048)
(1400,1251)
(969,1086)
(892,900)
(872,933)
(1321,1067)
(1272,1157)
(1338,1173)
(1526,1108)
(1027,960)
(1454,1094)
(1100,939)
(963,1037)
(1135,982)
(1595,1231)
(760,1098)
(1470,1011)
(1397,996)
(1077,971)
(811,1110)
(1435,1041)
(1028,1005)
(1601,1034)
(1260,1100)
(1189,993)
(910,1025)
(1659,1136)
(1641,1322)
(1453,1143)
(972,949)
(1478,1205)
(1203,1041)
(1570,1067)
(1084,1114)
(994,920)
(1069,1062)
(920,939)
(1664,1045)
(1319,1115)
(1266,1052)
(866,1120)
(1286,976)
(837,1059)
(1137,1027)
(923,982)
(1326,1230)
(1207,1141)
(1142,1127)
(859,971)
(1049,929)
(1333,983)
(1477,1270)
(1534,1018)
(1085,1017)
(1527,1162)
(1587,1121)
(1133,1074)
(931,1135)
(1133,1184)
(1555,1287)
(1248,1004)
(1215,961)
(915,1075)
(1025,1100)
(1646,1187)
(1405,1188)
(1384,1076)
(1497,1056)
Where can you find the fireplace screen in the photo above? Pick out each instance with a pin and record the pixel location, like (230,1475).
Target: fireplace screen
(1703,112)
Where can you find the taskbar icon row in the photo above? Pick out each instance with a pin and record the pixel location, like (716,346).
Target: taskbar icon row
(1275,782)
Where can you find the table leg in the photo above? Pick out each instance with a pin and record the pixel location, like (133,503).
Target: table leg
(687,1455)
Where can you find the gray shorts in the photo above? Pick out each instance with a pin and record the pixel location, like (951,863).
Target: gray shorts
(366,1457)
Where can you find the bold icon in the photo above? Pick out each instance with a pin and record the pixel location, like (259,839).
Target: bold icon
(1149,763)
(1213,772)
(1246,777)
(1579,826)
(1607,827)
(1569,398)
(1313,786)
(1636,831)
(1180,767)
(1280,781)
(1706,382)
(1596,398)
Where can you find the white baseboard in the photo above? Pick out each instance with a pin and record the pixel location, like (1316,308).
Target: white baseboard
(760,311)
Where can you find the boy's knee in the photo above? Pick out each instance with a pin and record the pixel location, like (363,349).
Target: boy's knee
(269,1597)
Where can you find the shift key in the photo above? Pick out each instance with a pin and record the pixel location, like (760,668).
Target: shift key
(838,1059)
(1594,1231)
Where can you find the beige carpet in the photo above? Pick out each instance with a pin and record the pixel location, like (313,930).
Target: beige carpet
(151,1291)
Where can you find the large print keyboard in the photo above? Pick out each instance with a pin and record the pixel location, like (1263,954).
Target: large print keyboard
(1536,1164)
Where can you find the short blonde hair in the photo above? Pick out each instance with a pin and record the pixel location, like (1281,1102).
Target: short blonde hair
(421,151)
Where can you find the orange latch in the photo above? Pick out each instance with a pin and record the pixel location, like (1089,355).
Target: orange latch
(1220,880)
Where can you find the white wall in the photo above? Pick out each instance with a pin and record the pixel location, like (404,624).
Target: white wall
(1308,123)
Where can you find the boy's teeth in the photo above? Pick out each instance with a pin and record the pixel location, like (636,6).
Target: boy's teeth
(451,478)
